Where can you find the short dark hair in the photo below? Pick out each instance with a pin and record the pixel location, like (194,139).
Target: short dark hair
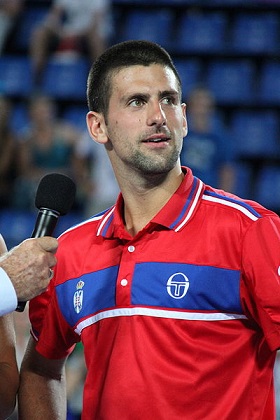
(124,54)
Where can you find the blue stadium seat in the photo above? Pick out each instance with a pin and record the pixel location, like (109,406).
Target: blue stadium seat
(16,225)
(66,79)
(255,32)
(173,2)
(67,221)
(202,32)
(189,71)
(76,115)
(255,134)
(16,78)
(230,2)
(150,25)
(270,83)
(268,187)
(129,1)
(20,118)
(243,180)
(231,81)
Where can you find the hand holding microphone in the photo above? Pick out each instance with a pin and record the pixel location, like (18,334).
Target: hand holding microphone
(54,198)
(28,266)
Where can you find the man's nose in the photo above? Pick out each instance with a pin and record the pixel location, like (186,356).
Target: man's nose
(156,115)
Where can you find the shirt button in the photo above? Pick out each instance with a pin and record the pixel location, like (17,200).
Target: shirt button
(124,282)
(131,248)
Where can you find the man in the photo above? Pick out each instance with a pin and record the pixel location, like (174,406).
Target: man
(28,266)
(174,291)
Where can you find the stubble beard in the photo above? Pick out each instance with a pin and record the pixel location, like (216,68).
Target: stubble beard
(151,164)
(155,165)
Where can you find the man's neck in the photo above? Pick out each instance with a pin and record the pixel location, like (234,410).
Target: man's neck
(142,204)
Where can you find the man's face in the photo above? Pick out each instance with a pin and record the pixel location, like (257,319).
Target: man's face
(146,121)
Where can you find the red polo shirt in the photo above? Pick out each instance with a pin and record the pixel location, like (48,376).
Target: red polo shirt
(180,321)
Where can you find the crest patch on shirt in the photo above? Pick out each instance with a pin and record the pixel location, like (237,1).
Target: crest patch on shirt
(78,297)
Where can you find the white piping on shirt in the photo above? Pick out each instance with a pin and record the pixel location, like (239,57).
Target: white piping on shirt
(231,204)
(158,313)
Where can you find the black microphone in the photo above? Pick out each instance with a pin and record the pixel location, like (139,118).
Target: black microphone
(55,197)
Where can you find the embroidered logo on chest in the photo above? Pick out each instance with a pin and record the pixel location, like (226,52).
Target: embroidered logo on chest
(177,285)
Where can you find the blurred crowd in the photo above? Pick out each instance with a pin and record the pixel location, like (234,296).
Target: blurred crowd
(46,142)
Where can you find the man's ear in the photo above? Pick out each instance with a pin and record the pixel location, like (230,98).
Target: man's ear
(97,127)
(185,123)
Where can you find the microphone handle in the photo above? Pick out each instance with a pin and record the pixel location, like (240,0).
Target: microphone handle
(45,224)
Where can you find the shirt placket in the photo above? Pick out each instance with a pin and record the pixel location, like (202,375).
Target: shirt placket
(125,275)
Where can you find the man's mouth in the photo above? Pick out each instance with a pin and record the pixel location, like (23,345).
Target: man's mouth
(156,139)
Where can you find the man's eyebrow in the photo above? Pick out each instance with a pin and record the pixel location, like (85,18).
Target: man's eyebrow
(146,96)
(135,95)
(171,92)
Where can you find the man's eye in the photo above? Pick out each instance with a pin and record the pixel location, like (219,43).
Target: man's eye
(168,100)
(136,102)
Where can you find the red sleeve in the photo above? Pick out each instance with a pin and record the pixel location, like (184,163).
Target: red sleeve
(55,339)
(260,288)
(37,310)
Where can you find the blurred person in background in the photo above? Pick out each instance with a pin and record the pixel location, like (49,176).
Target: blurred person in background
(46,145)
(9,12)
(82,26)
(100,186)
(8,155)
(207,148)
(19,280)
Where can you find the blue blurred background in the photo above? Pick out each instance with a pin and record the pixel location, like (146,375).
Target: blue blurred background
(231,47)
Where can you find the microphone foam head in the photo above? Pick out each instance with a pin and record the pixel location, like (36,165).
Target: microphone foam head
(56,192)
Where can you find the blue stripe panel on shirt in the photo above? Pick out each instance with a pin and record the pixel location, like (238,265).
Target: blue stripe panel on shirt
(88,294)
(186,286)
(167,285)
